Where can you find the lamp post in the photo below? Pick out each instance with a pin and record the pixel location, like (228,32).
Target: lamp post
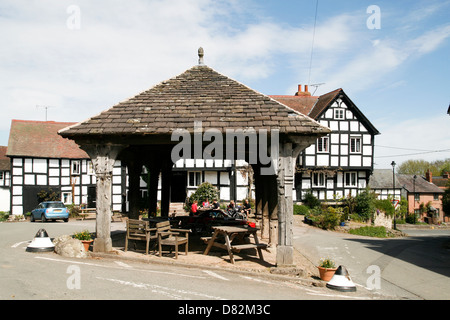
(414,199)
(393,183)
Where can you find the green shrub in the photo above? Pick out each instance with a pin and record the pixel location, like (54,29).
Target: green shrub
(310,200)
(4,216)
(365,204)
(385,206)
(369,231)
(301,209)
(204,191)
(326,218)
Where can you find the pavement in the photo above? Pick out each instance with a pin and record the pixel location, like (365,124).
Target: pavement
(246,261)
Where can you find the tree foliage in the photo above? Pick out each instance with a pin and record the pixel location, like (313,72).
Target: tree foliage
(446,200)
(420,167)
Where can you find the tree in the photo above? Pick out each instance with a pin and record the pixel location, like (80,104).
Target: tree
(204,191)
(420,167)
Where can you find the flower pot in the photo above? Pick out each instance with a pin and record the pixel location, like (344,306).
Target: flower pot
(86,244)
(326,273)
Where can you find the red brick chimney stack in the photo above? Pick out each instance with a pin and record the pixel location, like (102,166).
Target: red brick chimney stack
(302,93)
(429,176)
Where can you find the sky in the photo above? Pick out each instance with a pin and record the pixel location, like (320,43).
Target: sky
(69,60)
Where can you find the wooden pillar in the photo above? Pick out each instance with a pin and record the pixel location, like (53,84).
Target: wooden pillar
(265,207)
(288,153)
(285,181)
(154,168)
(273,210)
(166,180)
(103,158)
(134,181)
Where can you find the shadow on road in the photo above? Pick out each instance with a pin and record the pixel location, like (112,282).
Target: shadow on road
(431,253)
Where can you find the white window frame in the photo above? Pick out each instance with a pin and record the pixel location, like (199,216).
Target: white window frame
(353,175)
(323,144)
(66,197)
(90,168)
(75,167)
(319,179)
(339,113)
(197,177)
(356,147)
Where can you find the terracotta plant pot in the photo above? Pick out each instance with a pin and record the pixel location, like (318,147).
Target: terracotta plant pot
(86,244)
(326,273)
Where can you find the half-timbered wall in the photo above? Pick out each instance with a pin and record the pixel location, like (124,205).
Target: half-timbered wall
(74,179)
(340,163)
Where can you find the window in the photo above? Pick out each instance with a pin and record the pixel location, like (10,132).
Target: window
(322,144)
(75,168)
(436,197)
(318,180)
(416,197)
(90,168)
(355,145)
(66,197)
(351,179)
(339,113)
(195,178)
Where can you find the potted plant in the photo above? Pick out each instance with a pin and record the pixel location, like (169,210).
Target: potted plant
(84,237)
(327,268)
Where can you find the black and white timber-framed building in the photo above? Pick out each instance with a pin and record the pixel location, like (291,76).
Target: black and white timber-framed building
(340,163)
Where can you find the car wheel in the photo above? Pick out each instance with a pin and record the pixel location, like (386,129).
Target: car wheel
(43,218)
(31,218)
(66,220)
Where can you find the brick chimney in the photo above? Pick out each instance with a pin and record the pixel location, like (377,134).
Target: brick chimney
(302,93)
(429,176)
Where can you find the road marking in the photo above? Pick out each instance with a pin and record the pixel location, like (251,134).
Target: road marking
(213,274)
(15,245)
(170,292)
(315,293)
(122,264)
(115,267)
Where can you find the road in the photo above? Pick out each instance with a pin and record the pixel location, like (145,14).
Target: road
(27,276)
(409,269)
(413,267)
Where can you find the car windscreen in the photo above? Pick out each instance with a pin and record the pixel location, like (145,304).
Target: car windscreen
(55,205)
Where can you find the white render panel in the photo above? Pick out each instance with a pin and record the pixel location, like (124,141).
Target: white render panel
(28,165)
(190,163)
(17,180)
(311,149)
(53,163)
(116,190)
(53,181)
(65,181)
(367,150)
(40,166)
(224,178)
(355,161)
(329,113)
(344,126)
(323,160)
(241,178)
(17,190)
(354,126)
(367,161)
(334,149)
(225,193)
(211,177)
(65,163)
(53,172)
(241,193)
(29,179)
(334,125)
(65,172)
(209,163)
(344,149)
(344,138)
(334,138)
(310,160)
(335,161)
(17,162)
(344,161)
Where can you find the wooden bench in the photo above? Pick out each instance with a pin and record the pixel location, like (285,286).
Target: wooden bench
(139,230)
(90,213)
(167,236)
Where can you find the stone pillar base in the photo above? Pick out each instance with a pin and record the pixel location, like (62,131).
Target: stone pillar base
(102,245)
(285,256)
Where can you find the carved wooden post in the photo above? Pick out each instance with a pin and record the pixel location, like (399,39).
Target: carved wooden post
(134,179)
(288,153)
(103,158)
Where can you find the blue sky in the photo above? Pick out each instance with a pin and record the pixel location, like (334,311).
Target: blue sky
(81,57)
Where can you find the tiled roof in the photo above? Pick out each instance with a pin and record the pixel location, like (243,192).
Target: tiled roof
(5,162)
(198,94)
(313,106)
(40,139)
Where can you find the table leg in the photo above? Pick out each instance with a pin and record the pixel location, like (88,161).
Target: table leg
(255,236)
(211,242)
(228,243)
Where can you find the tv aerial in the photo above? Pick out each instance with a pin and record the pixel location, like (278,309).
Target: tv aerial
(46,109)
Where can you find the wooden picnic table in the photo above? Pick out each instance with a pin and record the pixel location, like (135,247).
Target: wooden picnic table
(231,233)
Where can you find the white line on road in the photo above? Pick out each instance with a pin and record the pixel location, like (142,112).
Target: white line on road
(171,292)
(15,245)
(115,267)
(213,274)
(122,264)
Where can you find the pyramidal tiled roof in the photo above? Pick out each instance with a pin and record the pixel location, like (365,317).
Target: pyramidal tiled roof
(198,94)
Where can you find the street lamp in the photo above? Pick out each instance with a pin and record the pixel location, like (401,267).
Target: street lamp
(393,183)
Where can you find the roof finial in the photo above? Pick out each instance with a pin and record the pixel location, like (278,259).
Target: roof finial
(200,56)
